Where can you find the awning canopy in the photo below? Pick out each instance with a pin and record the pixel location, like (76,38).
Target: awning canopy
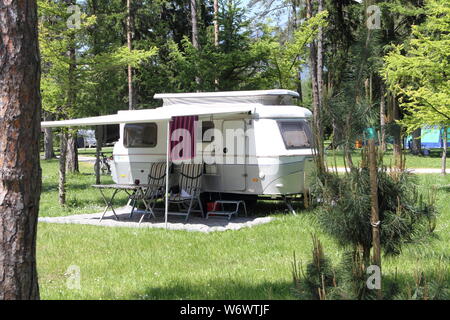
(147,115)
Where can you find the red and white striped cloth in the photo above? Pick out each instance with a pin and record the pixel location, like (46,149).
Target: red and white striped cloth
(183,137)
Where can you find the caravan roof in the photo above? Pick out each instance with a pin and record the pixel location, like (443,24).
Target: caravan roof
(261,97)
(260,103)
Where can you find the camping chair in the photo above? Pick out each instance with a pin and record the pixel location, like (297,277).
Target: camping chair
(189,189)
(152,191)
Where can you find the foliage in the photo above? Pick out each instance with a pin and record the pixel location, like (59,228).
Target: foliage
(286,57)
(433,286)
(346,209)
(319,277)
(91,67)
(418,69)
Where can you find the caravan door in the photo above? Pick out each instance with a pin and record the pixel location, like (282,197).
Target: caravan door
(234,173)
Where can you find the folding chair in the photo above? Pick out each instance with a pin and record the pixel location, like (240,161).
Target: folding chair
(152,191)
(188,195)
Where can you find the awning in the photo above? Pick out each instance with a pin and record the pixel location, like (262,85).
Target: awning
(148,115)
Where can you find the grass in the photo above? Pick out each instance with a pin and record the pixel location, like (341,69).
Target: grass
(431,161)
(90,152)
(252,263)
(80,197)
(412,161)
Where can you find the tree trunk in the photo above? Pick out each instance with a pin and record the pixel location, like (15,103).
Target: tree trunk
(216,32)
(99,136)
(374,216)
(62,168)
(320,60)
(444,151)
(48,141)
(131,104)
(72,164)
(216,23)
(383,119)
(72,154)
(317,128)
(20,172)
(416,148)
(194,26)
(299,71)
(397,135)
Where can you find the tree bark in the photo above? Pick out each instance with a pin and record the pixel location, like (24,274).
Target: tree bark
(383,119)
(20,173)
(397,146)
(444,151)
(299,71)
(317,128)
(374,217)
(99,136)
(216,23)
(216,32)
(62,168)
(320,60)
(194,26)
(131,103)
(48,141)
(72,165)
(416,148)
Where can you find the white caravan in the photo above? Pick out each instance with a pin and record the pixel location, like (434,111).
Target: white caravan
(253,143)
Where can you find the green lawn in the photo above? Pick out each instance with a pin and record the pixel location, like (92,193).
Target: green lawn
(431,161)
(91,151)
(81,198)
(252,263)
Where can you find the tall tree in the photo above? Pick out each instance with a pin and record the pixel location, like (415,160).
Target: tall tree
(20,173)
(317,125)
(194,25)
(216,30)
(72,150)
(417,70)
(129,24)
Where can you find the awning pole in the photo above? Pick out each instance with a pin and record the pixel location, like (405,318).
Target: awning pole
(167,173)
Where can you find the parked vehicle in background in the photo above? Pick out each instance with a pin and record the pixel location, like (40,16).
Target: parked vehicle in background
(86,139)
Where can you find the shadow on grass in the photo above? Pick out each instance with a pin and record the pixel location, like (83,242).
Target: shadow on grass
(395,286)
(444,188)
(218,289)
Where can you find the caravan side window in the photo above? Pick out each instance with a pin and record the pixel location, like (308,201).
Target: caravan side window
(207,133)
(140,135)
(296,134)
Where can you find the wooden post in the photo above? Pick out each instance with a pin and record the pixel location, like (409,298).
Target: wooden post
(374,218)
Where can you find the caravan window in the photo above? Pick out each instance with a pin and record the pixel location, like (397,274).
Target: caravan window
(207,131)
(140,135)
(296,134)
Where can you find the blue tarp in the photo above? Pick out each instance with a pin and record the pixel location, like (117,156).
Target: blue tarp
(431,137)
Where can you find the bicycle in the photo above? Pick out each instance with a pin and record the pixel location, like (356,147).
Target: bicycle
(105,168)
